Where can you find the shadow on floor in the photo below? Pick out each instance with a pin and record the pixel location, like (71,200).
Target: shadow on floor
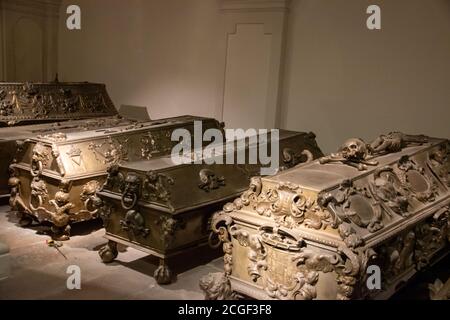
(417,287)
(177,264)
(77,229)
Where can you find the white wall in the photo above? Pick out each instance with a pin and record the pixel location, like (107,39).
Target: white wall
(160,54)
(342,80)
(339,80)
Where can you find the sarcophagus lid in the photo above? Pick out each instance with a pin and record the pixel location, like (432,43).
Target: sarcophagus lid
(313,231)
(57,173)
(163,206)
(26,103)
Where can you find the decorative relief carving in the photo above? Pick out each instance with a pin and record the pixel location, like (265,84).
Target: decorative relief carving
(91,102)
(388,188)
(349,236)
(346,263)
(439,290)
(62,205)
(397,255)
(440,163)
(89,196)
(284,202)
(15,200)
(131,191)
(134,223)
(395,142)
(353,204)
(169,226)
(414,179)
(39,159)
(256,253)
(104,212)
(75,155)
(34,102)
(249,196)
(209,181)
(154,143)
(115,179)
(432,235)
(285,266)
(220,228)
(156,187)
(6,106)
(111,151)
(59,162)
(216,287)
(292,158)
(39,192)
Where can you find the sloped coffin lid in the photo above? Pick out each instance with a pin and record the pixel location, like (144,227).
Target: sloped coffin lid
(322,177)
(29,103)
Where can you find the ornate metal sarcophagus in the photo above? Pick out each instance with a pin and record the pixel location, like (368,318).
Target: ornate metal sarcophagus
(56,174)
(352,225)
(29,108)
(12,137)
(27,103)
(163,208)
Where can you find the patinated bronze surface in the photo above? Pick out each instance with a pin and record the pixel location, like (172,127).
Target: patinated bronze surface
(31,109)
(13,137)
(312,232)
(27,103)
(56,174)
(164,208)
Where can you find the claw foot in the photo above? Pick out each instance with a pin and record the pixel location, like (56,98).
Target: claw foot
(108,252)
(61,233)
(162,274)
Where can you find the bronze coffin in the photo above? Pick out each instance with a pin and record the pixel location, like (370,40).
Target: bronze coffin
(353,225)
(29,108)
(29,103)
(56,175)
(164,208)
(13,137)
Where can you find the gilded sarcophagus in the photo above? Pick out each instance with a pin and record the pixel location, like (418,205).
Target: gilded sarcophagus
(352,225)
(56,174)
(29,109)
(12,137)
(163,207)
(27,103)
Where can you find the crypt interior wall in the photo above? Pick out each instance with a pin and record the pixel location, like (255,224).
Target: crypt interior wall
(160,54)
(342,80)
(338,78)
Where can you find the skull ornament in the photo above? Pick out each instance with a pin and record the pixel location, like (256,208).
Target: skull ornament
(354,150)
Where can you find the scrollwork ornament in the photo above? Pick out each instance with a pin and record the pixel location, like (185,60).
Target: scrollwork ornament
(256,253)
(347,205)
(387,188)
(216,286)
(413,177)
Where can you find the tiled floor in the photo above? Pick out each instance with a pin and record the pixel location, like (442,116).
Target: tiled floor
(39,271)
